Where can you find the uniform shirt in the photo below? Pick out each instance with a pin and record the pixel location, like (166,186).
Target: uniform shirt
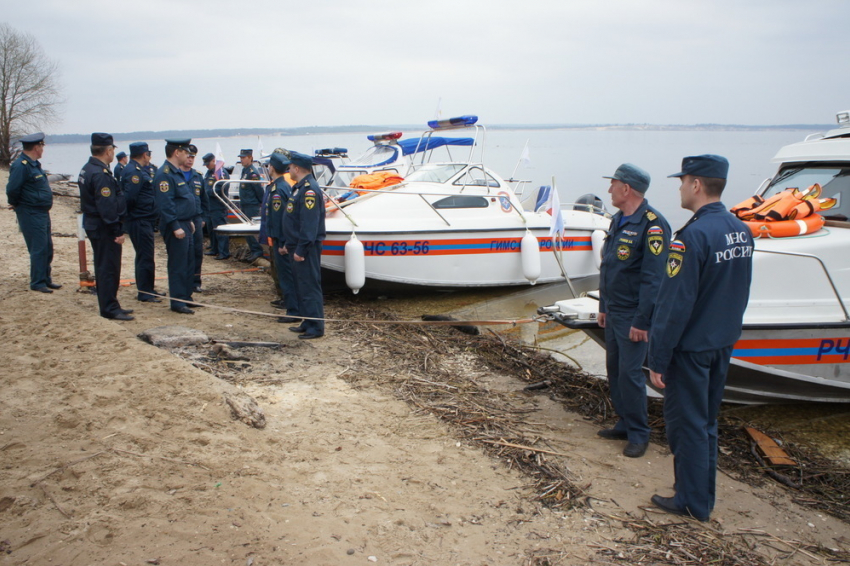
(633,259)
(174,197)
(27,185)
(304,218)
(251,194)
(137,185)
(279,194)
(101,199)
(706,287)
(222,190)
(118,172)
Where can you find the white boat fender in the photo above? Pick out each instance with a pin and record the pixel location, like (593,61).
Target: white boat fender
(355,264)
(597,239)
(530,252)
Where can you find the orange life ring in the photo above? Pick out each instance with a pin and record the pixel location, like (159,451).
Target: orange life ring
(786,228)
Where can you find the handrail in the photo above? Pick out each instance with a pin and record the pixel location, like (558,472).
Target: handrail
(231,206)
(825,271)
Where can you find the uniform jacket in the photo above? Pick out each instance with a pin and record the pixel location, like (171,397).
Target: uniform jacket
(251,194)
(174,197)
(633,259)
(223,190)
(118,172)
(279,194)
(27,185)
(101,199)
(304,218)
(705,289)
(202,201)
(137,185)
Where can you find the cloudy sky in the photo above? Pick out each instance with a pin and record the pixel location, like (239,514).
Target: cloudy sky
(172,64)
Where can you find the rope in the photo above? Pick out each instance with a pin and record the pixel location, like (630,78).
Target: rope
(511,322)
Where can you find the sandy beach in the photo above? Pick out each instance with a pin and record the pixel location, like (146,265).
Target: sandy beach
(118,452)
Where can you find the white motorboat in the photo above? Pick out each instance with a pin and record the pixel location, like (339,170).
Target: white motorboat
(795,344)
(457,223)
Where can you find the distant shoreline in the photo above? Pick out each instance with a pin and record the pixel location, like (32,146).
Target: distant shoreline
(313,130)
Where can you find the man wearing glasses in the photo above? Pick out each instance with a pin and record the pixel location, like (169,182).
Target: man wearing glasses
(30,196)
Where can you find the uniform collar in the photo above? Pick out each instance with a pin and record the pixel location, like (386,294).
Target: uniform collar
(634,217)
(709,208)
(95,161)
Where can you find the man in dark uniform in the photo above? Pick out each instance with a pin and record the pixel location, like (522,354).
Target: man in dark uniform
(30,196)
(176,202)
(104,211)
(122,159)
(219,243)
(697,320)
(250,197)
(303,233)
(279,193)
(202,206)
(142,213)
(632,265)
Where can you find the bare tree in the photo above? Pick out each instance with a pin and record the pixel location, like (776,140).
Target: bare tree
(29,88)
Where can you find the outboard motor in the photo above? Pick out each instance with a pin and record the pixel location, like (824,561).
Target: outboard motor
(590,203)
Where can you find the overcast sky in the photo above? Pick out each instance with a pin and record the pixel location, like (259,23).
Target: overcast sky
(169,64)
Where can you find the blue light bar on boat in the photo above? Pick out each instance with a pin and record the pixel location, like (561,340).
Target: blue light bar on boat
(467,120)
(384,137)
(332,151)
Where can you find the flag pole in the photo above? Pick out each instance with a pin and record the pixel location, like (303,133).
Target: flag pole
(523,155)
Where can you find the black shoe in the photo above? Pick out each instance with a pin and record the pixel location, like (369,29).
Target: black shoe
(635,450)
(150,300)
(253,257)
(197,289)
(309,336)
(126,311)
(667,505)
(288,319)
(276,303)
(120,316)
(297,329)
(182,310)
(612,434)
(42,290)
(54,286)
(220,257)
(196,305)
(209,253)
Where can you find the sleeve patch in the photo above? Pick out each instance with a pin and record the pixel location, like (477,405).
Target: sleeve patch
(105,192)
(163,186)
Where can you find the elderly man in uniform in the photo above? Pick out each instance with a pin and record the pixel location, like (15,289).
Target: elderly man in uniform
(696,323)
(632,265)
(177,211)
(219,243)
(30,196)
(122,160)
(202,206)
(142,213)
(303,233)
(250,197)
(104,211)
(279,192)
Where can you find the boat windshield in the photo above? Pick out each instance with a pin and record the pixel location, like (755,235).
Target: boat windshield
(834,180)
(376,155)
(434,173)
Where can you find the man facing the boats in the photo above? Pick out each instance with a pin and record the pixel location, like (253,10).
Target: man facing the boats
(632,263)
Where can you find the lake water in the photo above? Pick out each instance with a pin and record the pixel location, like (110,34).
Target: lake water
(577,159)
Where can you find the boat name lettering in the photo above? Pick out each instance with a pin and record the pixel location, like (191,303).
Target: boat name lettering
(504,245)
(419,247)
(827,346)
(732,253)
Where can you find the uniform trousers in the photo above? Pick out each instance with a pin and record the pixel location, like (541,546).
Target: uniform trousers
(694,388)
(307,276)
(141,234)
(251,210)
(35,226)
(286,282)
(219,243)
(198,250)
(181,262)
(107,270)
(626,379)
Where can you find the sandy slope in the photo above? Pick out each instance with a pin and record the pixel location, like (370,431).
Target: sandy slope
(113,451)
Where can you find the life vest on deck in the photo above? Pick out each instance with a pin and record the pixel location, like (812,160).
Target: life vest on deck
(790,213)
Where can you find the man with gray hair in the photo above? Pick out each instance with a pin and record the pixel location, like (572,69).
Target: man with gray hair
(629,277)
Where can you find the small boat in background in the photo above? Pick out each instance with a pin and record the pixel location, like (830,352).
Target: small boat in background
(795,344)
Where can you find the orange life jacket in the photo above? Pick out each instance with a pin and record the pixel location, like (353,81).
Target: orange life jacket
(790,204)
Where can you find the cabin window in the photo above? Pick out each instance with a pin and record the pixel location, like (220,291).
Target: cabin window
(462,201)
(477,177)
(833,179)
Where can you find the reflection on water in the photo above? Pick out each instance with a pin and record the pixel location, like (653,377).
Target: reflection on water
(825,427)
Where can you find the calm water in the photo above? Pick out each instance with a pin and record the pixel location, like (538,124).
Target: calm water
(576,159)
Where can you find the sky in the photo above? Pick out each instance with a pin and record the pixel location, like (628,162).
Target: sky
(177,64)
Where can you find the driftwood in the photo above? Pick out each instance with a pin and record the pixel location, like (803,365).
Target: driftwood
(244,408)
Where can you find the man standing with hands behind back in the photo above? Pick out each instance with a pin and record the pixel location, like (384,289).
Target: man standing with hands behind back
(696,323)
(632,266)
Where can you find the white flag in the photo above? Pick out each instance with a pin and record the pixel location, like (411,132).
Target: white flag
(219,160)
(557,225)
(525,158)
(259,147)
